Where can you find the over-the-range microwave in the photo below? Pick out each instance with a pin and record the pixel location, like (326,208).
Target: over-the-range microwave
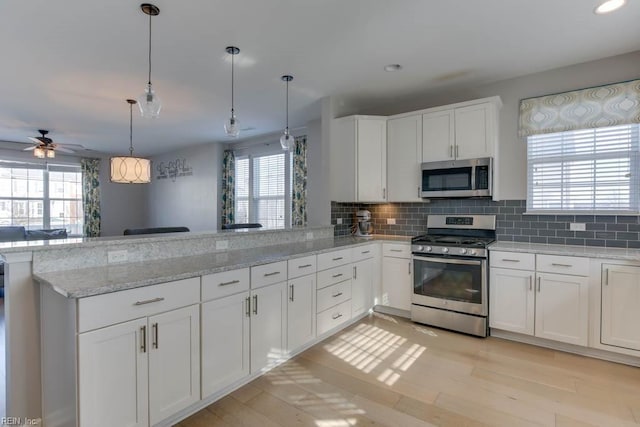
(457,178)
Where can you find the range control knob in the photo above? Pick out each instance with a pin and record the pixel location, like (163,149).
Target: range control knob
(428,248)
(420,248)
(472,252)
(463,251)
(445,250)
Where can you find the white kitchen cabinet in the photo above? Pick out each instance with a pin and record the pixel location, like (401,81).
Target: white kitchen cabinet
(268,326)
(562,306)
(361,286)
(174,341)
(404,156)
(225,320)
(512,300)
(620,301)
(301,311)
(397,276)
(463,131)
(113,376)
(358,159)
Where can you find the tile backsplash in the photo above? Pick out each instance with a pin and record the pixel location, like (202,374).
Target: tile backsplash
(512,223)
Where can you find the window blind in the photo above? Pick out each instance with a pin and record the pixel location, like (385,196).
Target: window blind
(588,170)
(269,190)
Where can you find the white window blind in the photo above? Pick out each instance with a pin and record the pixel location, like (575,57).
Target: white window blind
(589,170)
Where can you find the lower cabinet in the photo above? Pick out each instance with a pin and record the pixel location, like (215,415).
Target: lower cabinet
(512,300)
(620,306)
(301,308)
(397,283)
(127,366)
(268,326)
(361,286)
(227,321)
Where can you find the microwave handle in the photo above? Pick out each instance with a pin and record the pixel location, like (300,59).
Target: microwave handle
(473,178)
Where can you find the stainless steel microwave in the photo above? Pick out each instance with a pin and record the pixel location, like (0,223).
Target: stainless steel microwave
(457,178)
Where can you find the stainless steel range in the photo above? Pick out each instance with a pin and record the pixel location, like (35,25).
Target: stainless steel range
(450,275)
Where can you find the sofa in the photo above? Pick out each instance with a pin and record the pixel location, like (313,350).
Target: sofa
(15,233)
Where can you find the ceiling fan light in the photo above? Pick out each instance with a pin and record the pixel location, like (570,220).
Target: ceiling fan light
(149,103)
(39,152)
(50,153)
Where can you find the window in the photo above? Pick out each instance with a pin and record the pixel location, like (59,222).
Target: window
(263,189)
(36,196)
(589,170)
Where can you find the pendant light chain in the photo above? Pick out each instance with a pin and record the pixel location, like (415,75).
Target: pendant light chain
(150,48)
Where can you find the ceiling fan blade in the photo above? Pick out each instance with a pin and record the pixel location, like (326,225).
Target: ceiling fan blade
(35,139)
(63,150)
(72,146)
(30,148)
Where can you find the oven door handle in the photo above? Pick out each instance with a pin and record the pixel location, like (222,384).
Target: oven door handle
(449,260)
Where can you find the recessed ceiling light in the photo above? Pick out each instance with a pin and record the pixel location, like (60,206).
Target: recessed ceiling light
(609,6)
(393,67)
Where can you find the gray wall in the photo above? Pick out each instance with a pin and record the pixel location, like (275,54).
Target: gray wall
(191,201)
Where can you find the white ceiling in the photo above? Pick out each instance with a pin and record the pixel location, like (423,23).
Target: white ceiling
(69,65)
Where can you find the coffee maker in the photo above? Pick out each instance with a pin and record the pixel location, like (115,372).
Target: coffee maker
(362,227)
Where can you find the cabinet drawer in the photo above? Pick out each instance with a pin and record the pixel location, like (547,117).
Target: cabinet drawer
(225,283)
(333,317)
(268,274)
(364,252)
(333,295)
(515,260)
(398,250)
(334,275)
(103,310)
(575,266)
(302,266)
(334,259)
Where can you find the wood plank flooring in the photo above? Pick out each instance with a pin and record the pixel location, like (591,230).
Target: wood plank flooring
(387,371)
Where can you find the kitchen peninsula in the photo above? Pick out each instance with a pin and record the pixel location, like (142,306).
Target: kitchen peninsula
(165,288)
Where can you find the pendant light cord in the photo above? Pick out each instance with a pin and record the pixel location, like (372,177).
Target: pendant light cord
(287,105)
(149,49)
(131,129)
(232,81)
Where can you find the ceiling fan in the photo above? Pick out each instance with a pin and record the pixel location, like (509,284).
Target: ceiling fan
(45,147)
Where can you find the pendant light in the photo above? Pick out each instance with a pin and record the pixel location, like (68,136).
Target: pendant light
(231,126)
(130,169)
(287,140)
(149,102)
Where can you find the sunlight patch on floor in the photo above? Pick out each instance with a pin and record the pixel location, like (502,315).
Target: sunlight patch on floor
(336,423)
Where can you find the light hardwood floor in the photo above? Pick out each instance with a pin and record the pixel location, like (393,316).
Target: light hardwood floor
(388,371)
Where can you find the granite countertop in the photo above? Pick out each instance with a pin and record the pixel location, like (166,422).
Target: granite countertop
(568,250)
(86,282)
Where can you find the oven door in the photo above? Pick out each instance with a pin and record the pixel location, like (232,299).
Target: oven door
(456,284)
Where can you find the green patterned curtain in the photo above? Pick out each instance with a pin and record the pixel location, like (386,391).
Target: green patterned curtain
(299,191)
(603,106)
(228,187)
(91,196)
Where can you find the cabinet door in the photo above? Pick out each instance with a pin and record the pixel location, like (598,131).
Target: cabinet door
(472,138)
(512,300)
(225,320)
(620,302)
(396,282)
(174,362)
(301,311)
(372,160)
(361,287)
(113,375)
(562,305)
(342,164)
(404,155)
(268,326)
(437,136)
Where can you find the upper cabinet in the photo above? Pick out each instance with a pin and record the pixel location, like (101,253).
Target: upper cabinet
(461,131)
(358,153)
(404,155)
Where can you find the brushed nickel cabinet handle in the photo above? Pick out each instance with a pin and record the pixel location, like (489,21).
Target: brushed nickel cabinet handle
(154,328)
(555,264)
(457,155)
(395,250)
(451,151)
(336,295)
(409,267)
(539,280)
(365,252)
(336,259)
(336,316)
(291,286)
(355,272)
(510,260)
(255,304)
(384,193)
(530,283)
(305,266)
(233,282)
(337,275)
(248,304)
(148,301)
(418,191)
(271,274)
(143,341)
(606,277)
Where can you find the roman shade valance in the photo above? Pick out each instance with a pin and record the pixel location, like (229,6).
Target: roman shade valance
(596,107)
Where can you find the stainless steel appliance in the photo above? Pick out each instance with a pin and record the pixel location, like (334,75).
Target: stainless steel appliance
(450,274)
(363,227)
(457,178)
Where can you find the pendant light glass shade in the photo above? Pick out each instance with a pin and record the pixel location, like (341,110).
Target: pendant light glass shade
(149,103)
(287,141)
(130,169)
(231,126)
